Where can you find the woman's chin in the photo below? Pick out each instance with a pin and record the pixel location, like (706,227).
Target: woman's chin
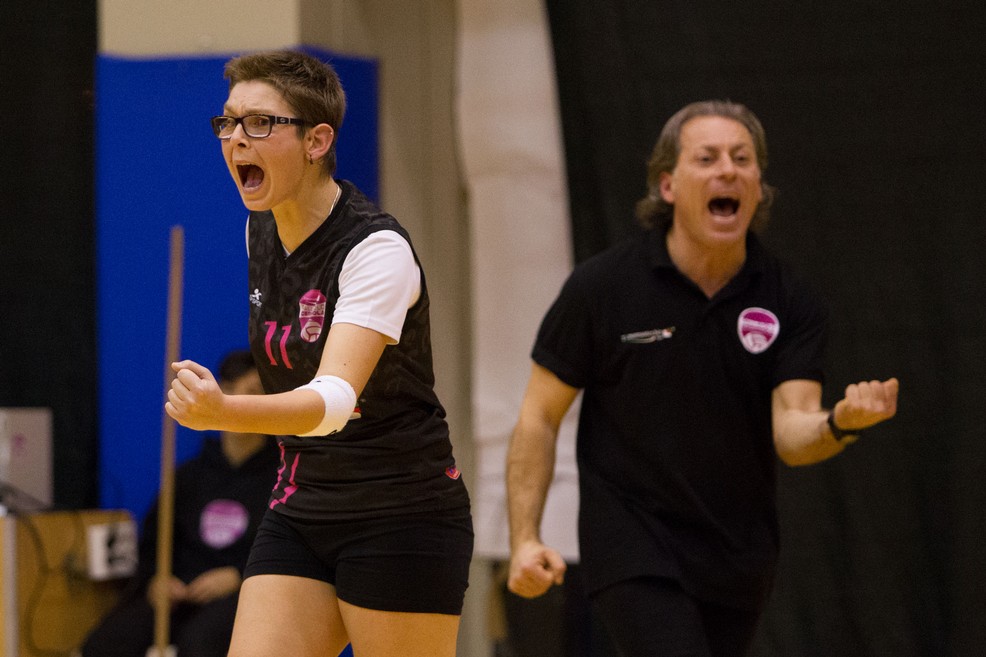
(254,200)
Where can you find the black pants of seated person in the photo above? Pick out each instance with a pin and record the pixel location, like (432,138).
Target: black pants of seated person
(195,631)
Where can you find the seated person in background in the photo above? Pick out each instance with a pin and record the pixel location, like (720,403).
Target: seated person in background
(220,496)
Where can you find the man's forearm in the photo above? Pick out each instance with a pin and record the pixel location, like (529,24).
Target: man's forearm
(804,437)
(530,469)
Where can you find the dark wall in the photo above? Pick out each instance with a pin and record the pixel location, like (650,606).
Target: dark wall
(873,112)
(47,290)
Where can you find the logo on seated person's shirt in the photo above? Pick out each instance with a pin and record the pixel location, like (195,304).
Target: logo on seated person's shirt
(222,523)
(757,329)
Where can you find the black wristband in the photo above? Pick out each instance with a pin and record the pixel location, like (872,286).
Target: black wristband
(838,433)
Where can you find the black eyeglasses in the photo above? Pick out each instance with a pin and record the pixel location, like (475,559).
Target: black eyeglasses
(257,126)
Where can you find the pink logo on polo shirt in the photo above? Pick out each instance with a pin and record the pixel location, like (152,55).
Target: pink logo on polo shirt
(757,328)
(222,523)
(311,314)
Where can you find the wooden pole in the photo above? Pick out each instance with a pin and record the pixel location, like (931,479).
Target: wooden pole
(166,497)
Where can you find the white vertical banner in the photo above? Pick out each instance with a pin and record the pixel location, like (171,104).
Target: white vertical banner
(520,245)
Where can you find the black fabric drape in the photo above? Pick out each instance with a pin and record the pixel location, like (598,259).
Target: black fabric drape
(47,287)
(873,114)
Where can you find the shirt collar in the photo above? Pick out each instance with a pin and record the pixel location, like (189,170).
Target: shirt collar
(660,259)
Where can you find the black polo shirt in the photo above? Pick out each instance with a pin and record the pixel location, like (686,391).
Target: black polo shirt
(675,450)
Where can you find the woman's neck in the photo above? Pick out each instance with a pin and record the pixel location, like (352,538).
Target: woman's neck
(299,218)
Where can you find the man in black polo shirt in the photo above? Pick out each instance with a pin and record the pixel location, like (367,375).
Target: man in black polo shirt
(700,356)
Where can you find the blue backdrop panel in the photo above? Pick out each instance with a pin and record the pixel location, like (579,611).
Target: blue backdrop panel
(159,165)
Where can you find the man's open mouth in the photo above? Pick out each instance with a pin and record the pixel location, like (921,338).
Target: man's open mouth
(251,175)
(723,206)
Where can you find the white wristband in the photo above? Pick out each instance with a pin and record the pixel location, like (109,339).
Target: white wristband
(340,400)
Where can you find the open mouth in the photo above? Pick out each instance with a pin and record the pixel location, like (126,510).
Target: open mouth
(723,206)
(251,176)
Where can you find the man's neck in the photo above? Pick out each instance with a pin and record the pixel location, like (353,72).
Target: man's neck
(710,269)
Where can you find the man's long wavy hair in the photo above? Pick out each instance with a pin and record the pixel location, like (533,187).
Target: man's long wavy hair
(653,211)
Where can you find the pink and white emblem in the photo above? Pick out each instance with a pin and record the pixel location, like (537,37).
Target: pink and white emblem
(311,314)
(757,328)
(222,523)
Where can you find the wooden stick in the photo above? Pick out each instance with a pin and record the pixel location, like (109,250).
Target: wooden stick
(166,498)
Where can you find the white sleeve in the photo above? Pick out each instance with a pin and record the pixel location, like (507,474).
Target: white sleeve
(379,281)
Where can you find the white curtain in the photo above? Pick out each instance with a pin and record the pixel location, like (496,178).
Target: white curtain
(520,244)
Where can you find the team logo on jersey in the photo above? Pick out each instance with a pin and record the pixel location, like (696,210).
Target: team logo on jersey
(311,313)
(452,472)
(255,298)
(757,328)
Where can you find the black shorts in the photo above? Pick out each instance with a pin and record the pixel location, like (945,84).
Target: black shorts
(412,563)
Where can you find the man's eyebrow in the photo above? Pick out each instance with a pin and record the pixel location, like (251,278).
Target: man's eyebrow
(727,147)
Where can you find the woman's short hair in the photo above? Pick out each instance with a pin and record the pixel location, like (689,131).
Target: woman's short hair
(310,86)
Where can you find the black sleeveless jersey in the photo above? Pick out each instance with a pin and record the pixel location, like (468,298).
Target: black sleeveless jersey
(394,455)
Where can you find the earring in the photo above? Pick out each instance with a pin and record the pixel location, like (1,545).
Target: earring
(310,160)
